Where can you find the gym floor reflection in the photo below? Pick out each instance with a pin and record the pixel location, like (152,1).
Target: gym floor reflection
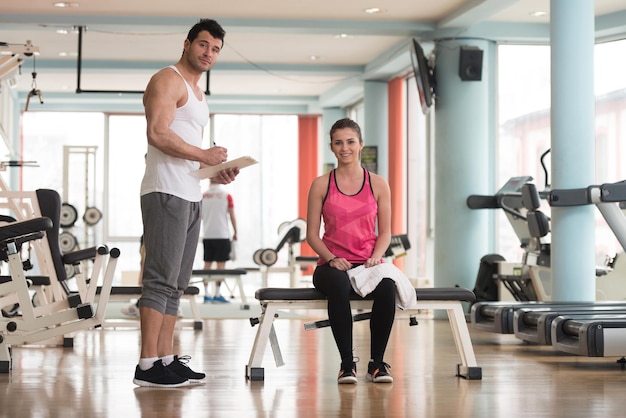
(94,378)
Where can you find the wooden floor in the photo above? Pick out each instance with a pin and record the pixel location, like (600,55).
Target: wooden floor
(94,378)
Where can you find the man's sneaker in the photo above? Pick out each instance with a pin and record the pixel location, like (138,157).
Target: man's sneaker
(347,374)
(131,310)
(180,368)
(377,372)
(208,299)
(220,299)
(158,376)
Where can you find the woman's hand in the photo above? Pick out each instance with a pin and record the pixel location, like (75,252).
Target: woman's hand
(371,262)
(340,264)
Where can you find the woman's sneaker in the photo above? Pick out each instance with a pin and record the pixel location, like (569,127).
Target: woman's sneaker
(347,374)
(179,367)
(377,372)
(158,376)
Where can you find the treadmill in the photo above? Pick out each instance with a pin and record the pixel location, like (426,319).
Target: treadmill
(498,317)
(526,288)
(594,336)
(502,317)
(534,325)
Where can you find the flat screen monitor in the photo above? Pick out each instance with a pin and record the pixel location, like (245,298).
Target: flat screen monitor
(424,76)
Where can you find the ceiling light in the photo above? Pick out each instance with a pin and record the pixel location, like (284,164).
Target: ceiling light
(537,14)
(314,57)
(62,31)
(63,4)
(373,10)
(343,36)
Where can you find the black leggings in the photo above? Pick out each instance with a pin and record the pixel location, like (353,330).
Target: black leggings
(336,286)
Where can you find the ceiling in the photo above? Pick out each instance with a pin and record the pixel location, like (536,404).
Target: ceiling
(276,53)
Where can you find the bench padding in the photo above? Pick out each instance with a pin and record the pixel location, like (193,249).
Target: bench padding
(427,293)
(216,272)
(136,290)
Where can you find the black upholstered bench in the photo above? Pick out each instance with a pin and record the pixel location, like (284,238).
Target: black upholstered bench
(216,275)
(274,299)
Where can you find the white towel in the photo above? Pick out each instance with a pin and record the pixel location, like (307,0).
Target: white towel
(364,281)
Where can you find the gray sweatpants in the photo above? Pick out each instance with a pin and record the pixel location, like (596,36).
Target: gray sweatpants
(171,228)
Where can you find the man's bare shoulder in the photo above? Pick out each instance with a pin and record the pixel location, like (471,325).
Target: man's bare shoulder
(163,76)
(165,82)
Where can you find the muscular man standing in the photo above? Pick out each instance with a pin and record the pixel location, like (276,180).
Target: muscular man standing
(176,114)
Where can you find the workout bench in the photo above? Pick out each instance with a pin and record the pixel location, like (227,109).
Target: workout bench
(274,299)
(123,293)
(128,292)
(216,275)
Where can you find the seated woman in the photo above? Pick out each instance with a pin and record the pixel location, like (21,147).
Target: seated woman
(355,206)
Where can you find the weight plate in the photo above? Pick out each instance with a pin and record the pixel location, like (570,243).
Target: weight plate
(269,257)
(256,257)
(67,242)
(68,216)
(70,271)
(92,216)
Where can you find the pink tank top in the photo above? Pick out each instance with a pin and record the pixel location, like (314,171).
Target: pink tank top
(350,221)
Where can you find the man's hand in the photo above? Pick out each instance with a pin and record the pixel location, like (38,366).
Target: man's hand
(215,156)
(226,176)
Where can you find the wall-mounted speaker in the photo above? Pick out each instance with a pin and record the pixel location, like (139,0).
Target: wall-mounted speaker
(471,63)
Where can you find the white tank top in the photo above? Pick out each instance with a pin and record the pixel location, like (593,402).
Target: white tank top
(167,174)
(215,217)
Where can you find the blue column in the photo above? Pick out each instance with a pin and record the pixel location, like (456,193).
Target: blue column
(464,164)
(376,127)
(573,104)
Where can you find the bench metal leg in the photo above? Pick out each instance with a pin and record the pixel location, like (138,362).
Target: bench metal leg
(265,333)
(195,312)
(309,326)
(469,367)
(242,294)
(5,357)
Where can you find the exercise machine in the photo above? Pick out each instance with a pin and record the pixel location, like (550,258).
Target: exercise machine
(290,234)
(58,313)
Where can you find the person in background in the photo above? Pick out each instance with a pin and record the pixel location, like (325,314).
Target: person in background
(218,214)
(355,206)
(176,114)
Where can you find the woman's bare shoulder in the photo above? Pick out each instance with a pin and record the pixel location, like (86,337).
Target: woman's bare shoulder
(320,183)
(378,182)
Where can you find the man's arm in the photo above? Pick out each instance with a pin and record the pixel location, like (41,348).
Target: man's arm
(164,93)
(233,221)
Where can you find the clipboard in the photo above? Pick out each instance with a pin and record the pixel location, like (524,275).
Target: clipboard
(212,170)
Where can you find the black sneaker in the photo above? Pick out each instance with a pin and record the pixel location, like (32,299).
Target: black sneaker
(377,372)
(180,368)
(347,374)
(158,376)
